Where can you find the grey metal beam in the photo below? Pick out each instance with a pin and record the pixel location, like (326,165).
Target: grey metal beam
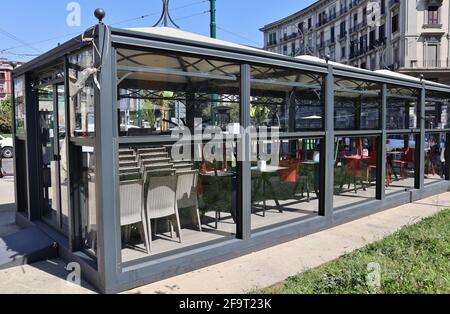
(327,175)
(381,158)
(286,83)
(107,220)
(420,143)
(168,71)
(244,166)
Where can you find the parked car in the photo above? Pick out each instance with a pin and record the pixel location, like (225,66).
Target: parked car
(6,147)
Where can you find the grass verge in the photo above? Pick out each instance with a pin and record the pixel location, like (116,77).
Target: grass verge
(415,259)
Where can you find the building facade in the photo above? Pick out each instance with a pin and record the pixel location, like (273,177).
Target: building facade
(6,67)
(410,36)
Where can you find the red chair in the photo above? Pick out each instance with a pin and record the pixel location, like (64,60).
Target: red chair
(406,159)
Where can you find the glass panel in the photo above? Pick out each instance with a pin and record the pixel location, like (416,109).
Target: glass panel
(437,110)
(286,99)
(19,103)
(63,169)
(355,170)
(162,92)
(84,196)
(81,91)
(435,164)
(357,104)
(49,148)
(285,180)
(400,162)
(402,108)
(188,201)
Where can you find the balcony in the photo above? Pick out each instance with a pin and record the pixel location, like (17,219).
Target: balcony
(343,10)
(331,42)
(343,36)
(430,64)
(271,43)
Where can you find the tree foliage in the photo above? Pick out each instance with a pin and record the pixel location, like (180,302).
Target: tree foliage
(6,115)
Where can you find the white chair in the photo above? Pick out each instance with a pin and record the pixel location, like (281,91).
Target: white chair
(131,204)
(160,199)
(187,192)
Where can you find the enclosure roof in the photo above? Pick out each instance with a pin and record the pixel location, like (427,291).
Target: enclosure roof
(179,34)
(187,38)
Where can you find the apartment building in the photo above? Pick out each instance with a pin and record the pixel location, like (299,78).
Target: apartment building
(6,67)
(408,36)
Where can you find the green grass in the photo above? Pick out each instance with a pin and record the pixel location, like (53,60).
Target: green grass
(416,259)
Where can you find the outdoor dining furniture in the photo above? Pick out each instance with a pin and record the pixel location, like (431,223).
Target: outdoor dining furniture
(264,179)
(160,199)
(131,209)
(127,158)
(215,190)
(307,173)
(187,193)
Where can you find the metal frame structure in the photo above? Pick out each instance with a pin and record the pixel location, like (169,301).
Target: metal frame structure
(106,271)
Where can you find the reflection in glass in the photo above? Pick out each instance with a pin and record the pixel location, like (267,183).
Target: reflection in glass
(401,108)
(435,163)
(400,162)
(286,185)
(84,199)
(357,105)
(81,91)
(19,103)
(49,147)
(286,99)
(356,163)
(437,110)
(167,92)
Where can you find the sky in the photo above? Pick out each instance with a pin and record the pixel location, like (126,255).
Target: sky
(34,26)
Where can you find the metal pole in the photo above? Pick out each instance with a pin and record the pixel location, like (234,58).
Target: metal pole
(213,34)
(213,26)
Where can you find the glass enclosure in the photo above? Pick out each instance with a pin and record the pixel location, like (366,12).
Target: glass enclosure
(177,181)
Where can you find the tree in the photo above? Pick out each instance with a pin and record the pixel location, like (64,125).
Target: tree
(6,115)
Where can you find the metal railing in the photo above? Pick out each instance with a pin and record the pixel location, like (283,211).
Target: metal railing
(431,64)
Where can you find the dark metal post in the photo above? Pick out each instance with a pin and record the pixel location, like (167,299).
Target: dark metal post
(33,151)
(420,143)
(381,148)
(327,159)
(213,34)
(243,170)
(105,153)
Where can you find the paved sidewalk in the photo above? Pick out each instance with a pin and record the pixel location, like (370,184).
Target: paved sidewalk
(7,198)
(273,265)
(260,269)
